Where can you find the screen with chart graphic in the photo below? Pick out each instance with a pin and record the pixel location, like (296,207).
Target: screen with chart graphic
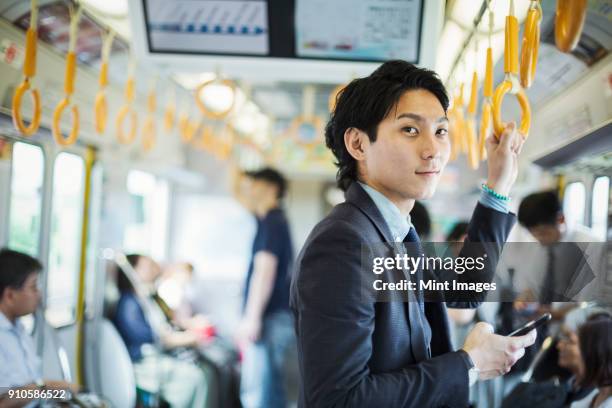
(208,26)
(344,30)
(367,30)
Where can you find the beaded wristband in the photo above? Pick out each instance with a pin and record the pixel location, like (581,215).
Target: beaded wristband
(493,193)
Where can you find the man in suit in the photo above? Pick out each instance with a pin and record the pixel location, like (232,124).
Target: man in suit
(389,134)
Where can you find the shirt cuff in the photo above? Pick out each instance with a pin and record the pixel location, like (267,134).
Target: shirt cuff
(493,203)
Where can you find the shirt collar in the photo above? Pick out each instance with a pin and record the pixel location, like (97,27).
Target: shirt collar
(5,323)
(397,223)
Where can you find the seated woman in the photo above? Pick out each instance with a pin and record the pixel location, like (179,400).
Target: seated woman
(145,332)
(594,339)
(176,295)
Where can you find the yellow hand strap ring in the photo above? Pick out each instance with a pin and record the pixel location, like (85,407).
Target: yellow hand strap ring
(59,109)
(187,129)
(29,71)
(148,134)
(124,111)
(17,118)
(148,131)
(510,83)
(531,43)
(100,105)
(100,111)
(57,116)
(122,137)
(498,99)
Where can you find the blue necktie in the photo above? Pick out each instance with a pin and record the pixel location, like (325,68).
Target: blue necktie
(416,310)
(413,237)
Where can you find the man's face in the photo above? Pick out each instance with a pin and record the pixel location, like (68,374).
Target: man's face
(25,300)
(546,234)
(411,149)
(261,191)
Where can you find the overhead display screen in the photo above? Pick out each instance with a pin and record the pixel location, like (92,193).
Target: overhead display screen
(208,26)
(369,30)
(347,30)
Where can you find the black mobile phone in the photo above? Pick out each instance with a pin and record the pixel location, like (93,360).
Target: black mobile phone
(531,325)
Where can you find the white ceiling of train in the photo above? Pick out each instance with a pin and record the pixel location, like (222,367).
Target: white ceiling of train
(283,100)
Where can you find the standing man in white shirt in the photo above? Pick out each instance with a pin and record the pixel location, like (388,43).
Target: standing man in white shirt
(556,263)
(20,367)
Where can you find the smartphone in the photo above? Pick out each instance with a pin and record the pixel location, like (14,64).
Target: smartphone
(531,325)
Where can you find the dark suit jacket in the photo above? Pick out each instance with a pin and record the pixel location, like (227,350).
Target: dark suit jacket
(357,353)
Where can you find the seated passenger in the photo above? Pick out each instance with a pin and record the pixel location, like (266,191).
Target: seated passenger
(595,367)
(177,292)
(144,330)
(20,367)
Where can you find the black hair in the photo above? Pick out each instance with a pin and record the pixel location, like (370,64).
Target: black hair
(596,349)
(15,267)
(272,176)
(458,230)
(124,284)
(539,209)
(419,216)
(365,102)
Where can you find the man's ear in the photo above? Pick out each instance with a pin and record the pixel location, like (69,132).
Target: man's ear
(8,296)
(355,141)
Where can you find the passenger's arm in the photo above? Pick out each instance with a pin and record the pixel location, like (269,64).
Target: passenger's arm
(335,323)
(260,290)
(132,323)
(488,224)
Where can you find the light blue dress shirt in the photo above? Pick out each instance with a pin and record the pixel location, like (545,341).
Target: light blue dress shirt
(400,225)
(19,364)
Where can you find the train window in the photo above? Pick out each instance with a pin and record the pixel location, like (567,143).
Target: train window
(599,206)
(146,233)
(574,203)
(26,198)
(65,243)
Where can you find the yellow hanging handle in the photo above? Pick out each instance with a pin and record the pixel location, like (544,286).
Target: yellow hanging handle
(170,114)
(461,122)
(29,71)
(64,103)
(205,110)
(187,128)
(485,122)
(569,21)
(71,65)
(510,83)
(148,131)
(531,44)
(487,93)
(470,125)
(100,105)
(472,106)
(124,111)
